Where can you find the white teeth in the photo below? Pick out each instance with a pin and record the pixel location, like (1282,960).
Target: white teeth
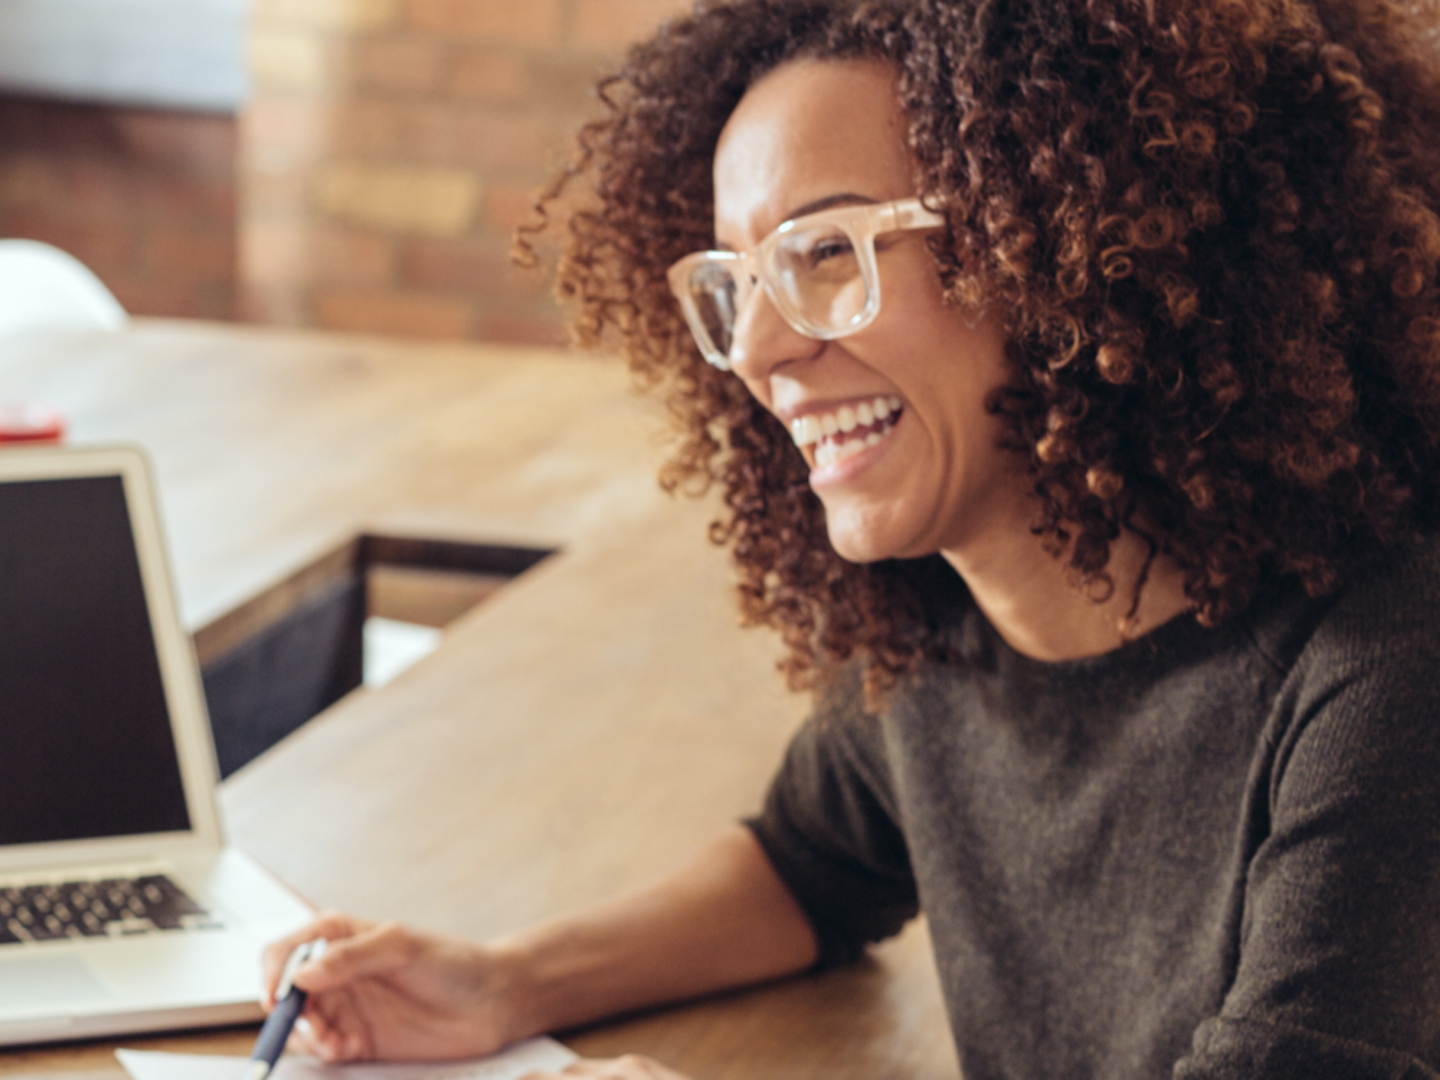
(831,452)
(828,430)
(805,430)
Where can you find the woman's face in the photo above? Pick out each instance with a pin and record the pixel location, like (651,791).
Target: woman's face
(814,134)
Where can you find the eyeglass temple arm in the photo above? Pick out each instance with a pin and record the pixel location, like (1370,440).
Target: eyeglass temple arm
(909,214)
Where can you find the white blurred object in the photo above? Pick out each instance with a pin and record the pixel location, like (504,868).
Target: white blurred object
(42,286)
(391,646)
(176,54)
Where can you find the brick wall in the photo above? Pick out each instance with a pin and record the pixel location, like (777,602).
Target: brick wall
(144,197)
(390,146)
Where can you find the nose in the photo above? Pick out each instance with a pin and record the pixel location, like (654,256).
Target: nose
(763,340)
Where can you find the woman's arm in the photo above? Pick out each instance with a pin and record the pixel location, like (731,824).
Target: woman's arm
(721,919)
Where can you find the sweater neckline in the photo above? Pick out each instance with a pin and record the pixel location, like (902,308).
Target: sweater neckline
(1181,639)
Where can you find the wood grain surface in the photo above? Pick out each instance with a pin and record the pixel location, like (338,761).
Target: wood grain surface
(572,737)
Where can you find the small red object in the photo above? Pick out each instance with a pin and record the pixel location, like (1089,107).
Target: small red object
(30,424)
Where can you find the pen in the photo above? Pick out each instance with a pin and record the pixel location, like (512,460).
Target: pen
(289,1002)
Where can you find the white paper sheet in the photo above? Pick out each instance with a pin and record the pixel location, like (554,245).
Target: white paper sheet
(533,1055)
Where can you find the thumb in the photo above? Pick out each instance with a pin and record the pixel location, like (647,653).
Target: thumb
(369,954)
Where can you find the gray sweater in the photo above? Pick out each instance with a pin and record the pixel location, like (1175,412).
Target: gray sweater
(1210,853)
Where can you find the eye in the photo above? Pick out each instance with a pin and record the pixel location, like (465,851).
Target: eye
(826,248)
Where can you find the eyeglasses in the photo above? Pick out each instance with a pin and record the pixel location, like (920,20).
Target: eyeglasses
(818,270)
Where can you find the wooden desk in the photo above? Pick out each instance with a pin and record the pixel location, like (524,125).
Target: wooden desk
(572,737)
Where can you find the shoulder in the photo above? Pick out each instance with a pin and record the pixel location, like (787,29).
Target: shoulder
(1387,614)
(1364,691)
(1399,587)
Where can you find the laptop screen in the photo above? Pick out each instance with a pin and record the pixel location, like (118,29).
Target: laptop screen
(87,745)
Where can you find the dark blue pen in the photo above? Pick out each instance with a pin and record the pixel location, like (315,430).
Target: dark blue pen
(289,1003)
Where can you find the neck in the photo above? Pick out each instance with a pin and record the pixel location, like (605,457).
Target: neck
(1031,600)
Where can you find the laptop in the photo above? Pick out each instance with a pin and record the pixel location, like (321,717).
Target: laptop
(121,909)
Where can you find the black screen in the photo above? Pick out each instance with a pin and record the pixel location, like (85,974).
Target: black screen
(85,742)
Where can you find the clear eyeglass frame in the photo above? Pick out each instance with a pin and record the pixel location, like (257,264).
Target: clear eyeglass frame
(725,280)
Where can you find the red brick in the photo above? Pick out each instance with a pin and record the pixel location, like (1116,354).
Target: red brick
(505,207)
(407,64)
(296,127)
(367,127)
(293,132)
(73,186)
(485,75)
(401,315)
(177,200)
(105,247)
(529,22)
(441,133)
(28,181)
(287,254)
(167,298)
(197,144)
(289,60)
(517,330)
(470,267)
(97,187)
(279,306)
(327,16)
(204,255)
(612,24)
(31,122)
(273,191)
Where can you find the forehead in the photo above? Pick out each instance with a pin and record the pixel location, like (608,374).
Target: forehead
(809,130)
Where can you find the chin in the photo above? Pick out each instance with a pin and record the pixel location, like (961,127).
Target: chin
(863,545)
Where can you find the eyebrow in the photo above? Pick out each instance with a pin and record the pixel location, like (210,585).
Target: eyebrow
(840,198)
(843,198)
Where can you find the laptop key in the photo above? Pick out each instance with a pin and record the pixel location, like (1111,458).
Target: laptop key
(47,929)
(116,907)
(162,894)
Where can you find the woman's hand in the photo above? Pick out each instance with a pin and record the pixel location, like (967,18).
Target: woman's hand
(629,1067)
(382,991)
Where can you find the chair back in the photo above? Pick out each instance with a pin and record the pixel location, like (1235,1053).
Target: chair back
(44,287)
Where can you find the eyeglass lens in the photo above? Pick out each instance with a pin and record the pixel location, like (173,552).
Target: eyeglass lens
(818,270)
(815,272)
(713,290)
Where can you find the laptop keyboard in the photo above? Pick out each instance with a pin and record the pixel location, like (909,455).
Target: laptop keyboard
(114,907)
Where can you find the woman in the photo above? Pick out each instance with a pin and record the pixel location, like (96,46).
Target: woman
(1073,383)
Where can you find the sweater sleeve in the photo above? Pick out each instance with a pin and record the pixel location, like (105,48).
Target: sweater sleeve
(830,829)
(1339,967)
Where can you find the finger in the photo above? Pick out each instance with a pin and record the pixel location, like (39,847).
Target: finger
(302,1038)
(372,952)
(590,1067)
(339,1032)
(626,1067)
(328,924)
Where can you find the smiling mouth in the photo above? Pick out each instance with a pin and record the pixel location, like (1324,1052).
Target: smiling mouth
(826,438)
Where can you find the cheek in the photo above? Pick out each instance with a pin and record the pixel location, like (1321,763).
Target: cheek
(759,390)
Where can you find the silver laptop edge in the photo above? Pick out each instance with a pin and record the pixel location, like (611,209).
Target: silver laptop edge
(160,980)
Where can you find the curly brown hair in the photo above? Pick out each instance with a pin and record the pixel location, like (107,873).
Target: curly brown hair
(1213,228)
